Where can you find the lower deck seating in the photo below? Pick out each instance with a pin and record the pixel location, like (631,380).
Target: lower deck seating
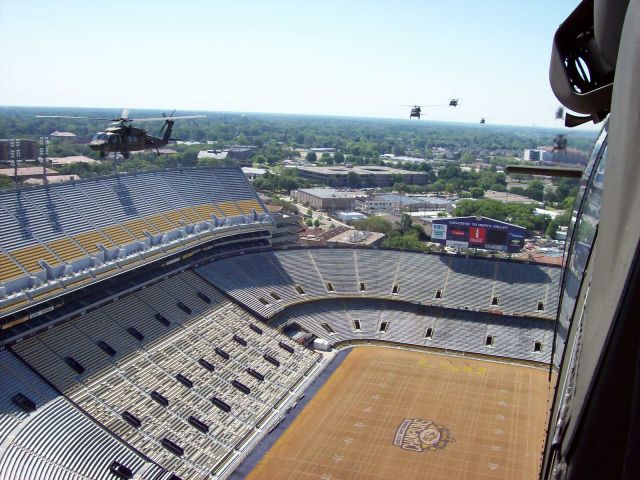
(148,366)
(363,319)
(49,441)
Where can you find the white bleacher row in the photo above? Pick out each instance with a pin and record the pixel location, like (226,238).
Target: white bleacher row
(450,329)
(41,214)
(57,440)
(111,385)
(267,282)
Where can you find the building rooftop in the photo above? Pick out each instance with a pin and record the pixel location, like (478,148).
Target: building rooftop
(51,179)
(507,197)
(62,134)
(217,154)
(328,193)
(69,160)
(356,237)
(411,200)
(358,169)
(26,171)
(254,171)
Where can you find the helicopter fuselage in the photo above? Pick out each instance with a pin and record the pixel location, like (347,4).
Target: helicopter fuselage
(126,139)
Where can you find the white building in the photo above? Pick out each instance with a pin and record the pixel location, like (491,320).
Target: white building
(253,173)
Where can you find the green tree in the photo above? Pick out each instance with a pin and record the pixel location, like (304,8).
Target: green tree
(536,190)
(5,182)
(477,192)
(374,224)
(316,223)
(288,183)
(326,158)
(338,158)
(311,157)
(405,223)
(467,158)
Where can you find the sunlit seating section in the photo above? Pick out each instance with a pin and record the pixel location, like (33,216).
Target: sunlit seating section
(66,223)
(266,282)
(45,436)
(148,364)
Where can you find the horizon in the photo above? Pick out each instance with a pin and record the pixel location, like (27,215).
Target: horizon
(582,132)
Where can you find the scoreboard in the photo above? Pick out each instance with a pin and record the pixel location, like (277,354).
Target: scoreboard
(478,232)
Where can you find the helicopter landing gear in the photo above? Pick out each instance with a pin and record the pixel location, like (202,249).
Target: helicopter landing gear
(102,155)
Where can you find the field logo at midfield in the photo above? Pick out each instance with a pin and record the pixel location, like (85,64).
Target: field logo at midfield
(418,435)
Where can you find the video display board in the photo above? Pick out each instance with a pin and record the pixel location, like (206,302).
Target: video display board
(473,232)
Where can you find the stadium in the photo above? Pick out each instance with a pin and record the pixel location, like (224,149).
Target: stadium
(149,330)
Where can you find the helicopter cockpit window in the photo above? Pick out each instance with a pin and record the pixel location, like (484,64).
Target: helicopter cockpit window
(114,139)
(582,233)
(99,136)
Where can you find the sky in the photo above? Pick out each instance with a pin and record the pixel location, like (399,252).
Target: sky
(347,58)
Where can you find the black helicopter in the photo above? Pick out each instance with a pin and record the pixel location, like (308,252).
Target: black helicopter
(453,102)
(124,138)
(560,143)
(416,110)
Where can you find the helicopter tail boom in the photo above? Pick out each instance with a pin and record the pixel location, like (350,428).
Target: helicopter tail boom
(167,133)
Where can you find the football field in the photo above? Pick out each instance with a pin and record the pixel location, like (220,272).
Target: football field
(395,414)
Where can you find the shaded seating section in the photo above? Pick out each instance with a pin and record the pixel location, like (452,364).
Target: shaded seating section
(267,282)
(48,442)
(85,224)
(160,385)
(364,319)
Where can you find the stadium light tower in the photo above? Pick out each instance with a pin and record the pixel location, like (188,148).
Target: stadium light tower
(15,154)
(44,149)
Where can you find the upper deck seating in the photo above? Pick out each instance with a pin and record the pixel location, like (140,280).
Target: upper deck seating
(69,224)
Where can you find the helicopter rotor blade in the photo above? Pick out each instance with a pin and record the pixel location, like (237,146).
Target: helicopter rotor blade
(158,119)
(71,116)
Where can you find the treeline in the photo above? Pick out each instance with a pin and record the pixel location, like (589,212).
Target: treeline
(366,138)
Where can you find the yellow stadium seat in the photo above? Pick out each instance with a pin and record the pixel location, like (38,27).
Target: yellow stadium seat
(229,208)
(159,222)
(138,227)
(66,249)
(174,217)
(118,235)
(8,268)
(28,257)
(88,241)
(191,215)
